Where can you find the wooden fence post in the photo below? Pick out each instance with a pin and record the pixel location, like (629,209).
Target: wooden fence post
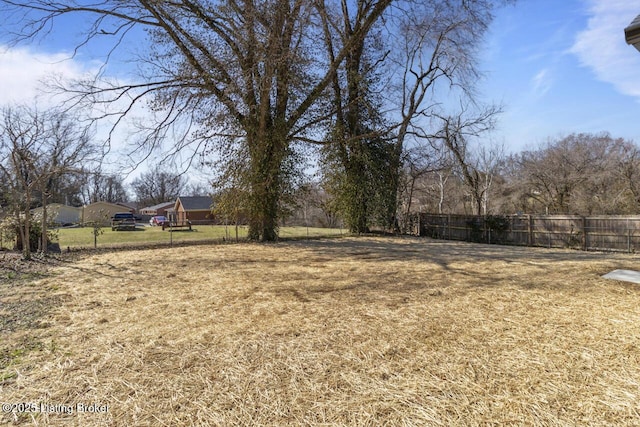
(530,230)
(585,242)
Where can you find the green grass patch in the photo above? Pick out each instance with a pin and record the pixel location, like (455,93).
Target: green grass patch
(27,298)
(75,238)
(12,353)
(19,276)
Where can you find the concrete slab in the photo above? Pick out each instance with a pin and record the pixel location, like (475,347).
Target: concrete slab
(624,275)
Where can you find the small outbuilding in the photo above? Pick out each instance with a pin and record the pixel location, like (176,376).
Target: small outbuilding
(101,212)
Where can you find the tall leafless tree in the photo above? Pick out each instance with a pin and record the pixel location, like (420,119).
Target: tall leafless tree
(221,69)
(68,148)
(455,133)
(36,149)
(421,161)
(20,137)
(439,42)
(393,81)
(158,186)
(99,186)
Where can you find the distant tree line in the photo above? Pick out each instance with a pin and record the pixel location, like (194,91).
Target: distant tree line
(584,174)
(377,96)
(255,87)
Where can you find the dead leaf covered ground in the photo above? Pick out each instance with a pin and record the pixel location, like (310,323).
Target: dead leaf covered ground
(352,331)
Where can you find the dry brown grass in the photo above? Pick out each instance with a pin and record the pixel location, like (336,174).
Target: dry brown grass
(354,332)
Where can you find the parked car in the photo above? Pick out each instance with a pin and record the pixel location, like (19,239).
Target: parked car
(158,220)
(123,221)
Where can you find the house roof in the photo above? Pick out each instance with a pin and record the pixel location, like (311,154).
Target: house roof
(632,33)
(108,204)
(57,206)
(195,203)
(159,206)
(153,210)
(129,205)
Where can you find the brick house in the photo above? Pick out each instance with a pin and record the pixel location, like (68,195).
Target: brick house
(196,209)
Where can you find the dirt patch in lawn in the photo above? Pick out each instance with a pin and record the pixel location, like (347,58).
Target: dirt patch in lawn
(369,331)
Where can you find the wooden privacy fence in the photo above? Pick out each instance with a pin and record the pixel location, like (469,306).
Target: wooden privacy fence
(604,233)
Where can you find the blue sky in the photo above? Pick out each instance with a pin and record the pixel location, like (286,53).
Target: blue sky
(560,67)
(556,66)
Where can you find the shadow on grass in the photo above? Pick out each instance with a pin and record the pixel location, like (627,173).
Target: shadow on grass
(525,267)
(443,252)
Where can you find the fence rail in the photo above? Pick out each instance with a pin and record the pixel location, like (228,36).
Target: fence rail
(607,233)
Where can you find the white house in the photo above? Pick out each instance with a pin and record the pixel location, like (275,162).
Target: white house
(59,214)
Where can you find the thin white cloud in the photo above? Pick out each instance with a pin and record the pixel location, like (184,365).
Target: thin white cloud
(541,82)
(23,73)
(602,47)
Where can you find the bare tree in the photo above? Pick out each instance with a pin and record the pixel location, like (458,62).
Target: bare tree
(579,173)
(488,159)
(98,186)
(18,153)
(68,147)
(197,189)
(628,167)
(438,41)
(388,87)
(36,149)
(421,161)
(222,70)
(230,194)
(327,206)
(455,133)
(153,187)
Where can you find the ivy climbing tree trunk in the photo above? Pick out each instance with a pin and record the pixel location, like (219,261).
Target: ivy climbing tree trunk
(268,149)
